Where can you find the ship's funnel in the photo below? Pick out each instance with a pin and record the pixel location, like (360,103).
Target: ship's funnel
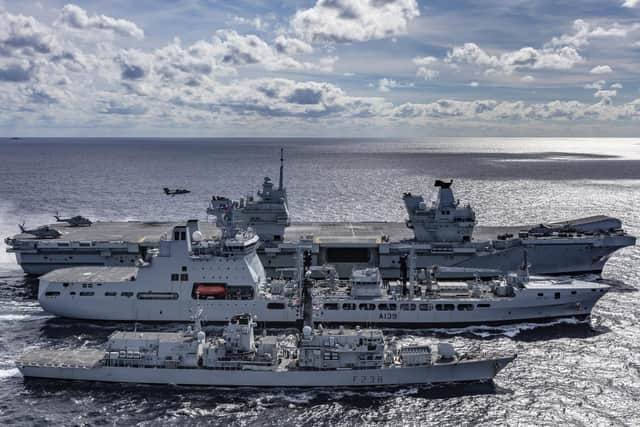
(445,194)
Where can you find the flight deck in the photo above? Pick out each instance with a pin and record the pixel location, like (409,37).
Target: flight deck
(150,233)
(443,233)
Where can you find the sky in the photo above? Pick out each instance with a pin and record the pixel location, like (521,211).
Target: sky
(406,68)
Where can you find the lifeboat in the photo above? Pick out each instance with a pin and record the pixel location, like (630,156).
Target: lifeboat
(210,290)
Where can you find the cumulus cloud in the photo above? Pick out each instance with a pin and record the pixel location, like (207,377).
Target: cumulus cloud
(236,49)
(524,58)
(492,110)
(41,95)
(207,81)
(427,73)
(560,53)
(256,22)
(425,64)
(77,18)
(122,108)
(134,64)
(24,35)
(605,94)
(354,20)
(473,84)
(385,85)
(28,46)
(291,46)
(221,56)
(174,62)
(601,69)
(16,72)
(528,78)
(425,61)
(279,97)
(616,86)
(596,85)
(584,32)
(287,98)
(631,3)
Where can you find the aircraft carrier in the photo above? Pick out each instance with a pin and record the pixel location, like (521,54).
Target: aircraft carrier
(443,233)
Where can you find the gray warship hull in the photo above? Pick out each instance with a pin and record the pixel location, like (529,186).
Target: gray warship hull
(344,245)
(85,366)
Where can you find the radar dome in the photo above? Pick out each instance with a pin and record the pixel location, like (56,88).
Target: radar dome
(196,236)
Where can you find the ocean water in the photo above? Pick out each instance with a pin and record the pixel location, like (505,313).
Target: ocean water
(566,373)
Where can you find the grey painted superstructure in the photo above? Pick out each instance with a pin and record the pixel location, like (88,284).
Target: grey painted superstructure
(443,233)
(227,276)
(314,358)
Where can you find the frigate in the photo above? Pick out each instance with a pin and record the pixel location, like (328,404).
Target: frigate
(227,276)
(443,233)
(315,358)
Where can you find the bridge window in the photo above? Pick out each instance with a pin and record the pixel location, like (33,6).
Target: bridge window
(408,307)
(184,277)
(275,306)
(175,277)
(465,307)
(126,294)
(348,306)
(52,293)
(110,294)
(388,307)
(556,295)
(573,292)
(445,307)
(367,307)
(157,295)
(483,305)
(426,307)
(540,294)
(87,294)
(331,306)
(184,268)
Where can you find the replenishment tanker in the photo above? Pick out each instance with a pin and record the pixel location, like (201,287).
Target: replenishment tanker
(443,233)
(227,276)
(315,358)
